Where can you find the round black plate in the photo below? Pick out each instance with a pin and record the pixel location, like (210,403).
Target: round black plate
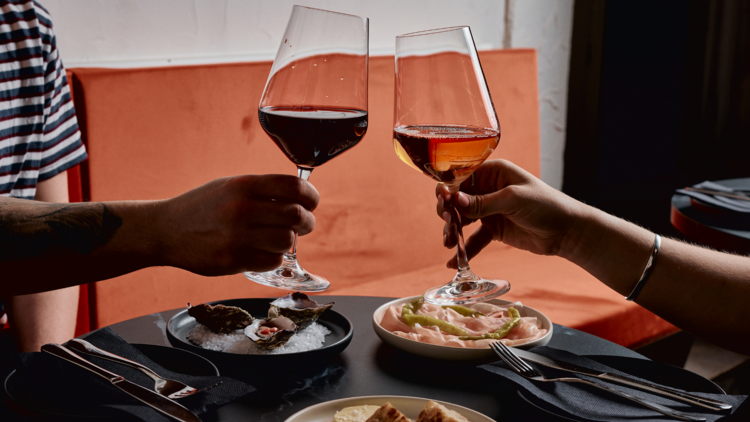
(180,325)
(176,360)
(659,373)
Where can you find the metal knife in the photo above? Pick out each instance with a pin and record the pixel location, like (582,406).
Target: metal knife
(657,389)
(148,397)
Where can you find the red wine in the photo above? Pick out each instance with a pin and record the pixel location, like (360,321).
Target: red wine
(448,154)
(311,136)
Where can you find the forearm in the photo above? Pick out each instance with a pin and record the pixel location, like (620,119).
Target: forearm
(611,249)
(51,246)
(226,226)
(46,317)
(702,291)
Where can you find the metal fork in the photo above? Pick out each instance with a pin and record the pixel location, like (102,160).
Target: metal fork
(526,371)
(164,386)
(741,195)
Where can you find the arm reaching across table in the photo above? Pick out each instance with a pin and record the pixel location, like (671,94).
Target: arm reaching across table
(226,226)
(699,290)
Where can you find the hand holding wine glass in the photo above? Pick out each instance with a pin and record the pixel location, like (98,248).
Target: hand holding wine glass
(314,107)
(515,208)
(445,126)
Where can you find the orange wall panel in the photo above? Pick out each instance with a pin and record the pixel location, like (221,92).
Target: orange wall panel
(157,132)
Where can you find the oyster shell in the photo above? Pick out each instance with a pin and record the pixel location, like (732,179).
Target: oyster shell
(299,308)
(220,318)
(271,333)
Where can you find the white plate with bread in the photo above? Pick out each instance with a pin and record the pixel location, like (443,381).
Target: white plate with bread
(399,409)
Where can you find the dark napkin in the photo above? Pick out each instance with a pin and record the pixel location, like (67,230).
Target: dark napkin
(67,389)
(731,204)
(578,401)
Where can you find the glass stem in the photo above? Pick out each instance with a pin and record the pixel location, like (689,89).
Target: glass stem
(461,257)
(303,173)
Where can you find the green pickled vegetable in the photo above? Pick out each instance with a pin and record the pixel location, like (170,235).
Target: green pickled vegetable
(413,306)
(464,310)
(501,332)
(407,314)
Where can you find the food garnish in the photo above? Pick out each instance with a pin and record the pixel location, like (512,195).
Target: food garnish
(409,317)
(271,333)
(471,326)
(500,332)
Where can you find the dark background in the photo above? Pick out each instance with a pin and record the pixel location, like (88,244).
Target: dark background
(659,99)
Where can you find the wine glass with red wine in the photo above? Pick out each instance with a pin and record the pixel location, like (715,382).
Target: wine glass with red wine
(445,126)
(314,107)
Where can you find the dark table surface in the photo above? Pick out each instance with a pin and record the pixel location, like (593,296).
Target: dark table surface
(370,367)
(723,230)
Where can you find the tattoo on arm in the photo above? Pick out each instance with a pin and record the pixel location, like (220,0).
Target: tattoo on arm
(30,228)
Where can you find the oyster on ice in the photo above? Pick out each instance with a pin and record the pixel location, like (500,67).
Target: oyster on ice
(220,318)
(299,308)
(271,333)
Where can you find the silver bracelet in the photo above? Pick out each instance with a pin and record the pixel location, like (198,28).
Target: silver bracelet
(646,271)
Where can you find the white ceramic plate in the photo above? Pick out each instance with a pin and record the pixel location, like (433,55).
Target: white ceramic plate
(409,406)
(448,352)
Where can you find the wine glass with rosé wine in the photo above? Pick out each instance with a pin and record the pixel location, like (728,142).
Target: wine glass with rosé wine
(314,107)
(445,126)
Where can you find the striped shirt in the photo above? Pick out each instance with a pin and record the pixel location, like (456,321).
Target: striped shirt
(39,135)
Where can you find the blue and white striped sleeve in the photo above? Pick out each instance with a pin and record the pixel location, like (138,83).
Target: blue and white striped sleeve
(62,147)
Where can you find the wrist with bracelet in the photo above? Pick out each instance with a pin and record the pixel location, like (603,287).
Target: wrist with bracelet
(646,271)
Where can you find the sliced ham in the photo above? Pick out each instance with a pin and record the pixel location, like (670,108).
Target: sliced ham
(529,329)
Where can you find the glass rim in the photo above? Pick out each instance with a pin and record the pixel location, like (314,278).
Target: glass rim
(433,31)
(330,11)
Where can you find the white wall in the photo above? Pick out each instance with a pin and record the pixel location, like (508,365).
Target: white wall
(126,33)
(547,25)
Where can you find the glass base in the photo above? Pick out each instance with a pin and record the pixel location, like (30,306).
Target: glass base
(466,288)
(290,276)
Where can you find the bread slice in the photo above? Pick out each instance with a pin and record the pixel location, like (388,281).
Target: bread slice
(355,413)
(436,412)
(388,413)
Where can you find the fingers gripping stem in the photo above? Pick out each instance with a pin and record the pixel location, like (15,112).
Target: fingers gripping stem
(304,174)
(461,256)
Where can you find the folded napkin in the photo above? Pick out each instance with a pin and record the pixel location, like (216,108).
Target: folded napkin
(60,387)
(736,205)
(578,401)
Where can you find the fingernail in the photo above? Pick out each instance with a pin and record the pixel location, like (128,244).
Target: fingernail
(448,196)
(447,217)
(440,201)
(463,199)
(445,237)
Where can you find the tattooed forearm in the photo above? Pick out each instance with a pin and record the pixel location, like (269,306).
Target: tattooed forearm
(31,228)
